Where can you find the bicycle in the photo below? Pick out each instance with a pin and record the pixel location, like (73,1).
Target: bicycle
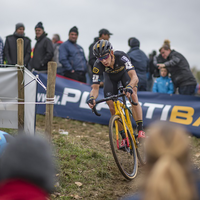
(126,158)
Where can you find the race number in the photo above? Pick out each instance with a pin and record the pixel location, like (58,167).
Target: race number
(128,65)
(95,78)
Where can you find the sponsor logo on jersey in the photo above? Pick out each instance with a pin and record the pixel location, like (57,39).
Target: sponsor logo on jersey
(95,78)
(125,59)
(107,69)
(95,70)
(128,65)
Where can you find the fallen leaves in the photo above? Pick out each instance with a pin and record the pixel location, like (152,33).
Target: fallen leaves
(78,184)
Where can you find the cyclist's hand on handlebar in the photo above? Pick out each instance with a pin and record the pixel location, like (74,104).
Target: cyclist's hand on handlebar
(128,90)
(91,102)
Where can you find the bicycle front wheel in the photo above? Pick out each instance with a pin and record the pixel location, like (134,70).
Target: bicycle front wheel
(125,159)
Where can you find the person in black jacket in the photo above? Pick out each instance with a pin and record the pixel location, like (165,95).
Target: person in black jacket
(104,34)
(1,51)
(179,69)
(140,61)
(10,48)
(43,51)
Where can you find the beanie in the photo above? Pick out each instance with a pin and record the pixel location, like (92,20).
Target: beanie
(39,25)
(18,25)
(74,29)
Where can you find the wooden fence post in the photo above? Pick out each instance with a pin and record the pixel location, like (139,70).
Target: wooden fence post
(51,79)
(20,61)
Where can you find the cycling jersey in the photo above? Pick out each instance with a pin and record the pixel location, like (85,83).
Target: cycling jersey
(113,75)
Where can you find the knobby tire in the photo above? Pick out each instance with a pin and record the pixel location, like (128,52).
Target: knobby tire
(126,160)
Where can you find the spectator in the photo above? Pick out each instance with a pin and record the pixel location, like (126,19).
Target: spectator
(43,50)
(169,174)
(163,84)
(27,169)
(1,51)
(150,71)
(10,48)
(140,61)
(151,64)
(72,57)
(56,44)
(156,60)
(104,34)
(179,69)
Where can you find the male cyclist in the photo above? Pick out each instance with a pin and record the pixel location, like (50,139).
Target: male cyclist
(116,67)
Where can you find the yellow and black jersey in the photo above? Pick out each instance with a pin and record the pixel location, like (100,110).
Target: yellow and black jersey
(122,64)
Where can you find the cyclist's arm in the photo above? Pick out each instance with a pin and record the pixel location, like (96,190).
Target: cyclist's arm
(93,95)
(134,78)
(95,90)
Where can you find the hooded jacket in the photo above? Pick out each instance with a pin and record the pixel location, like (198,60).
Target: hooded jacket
(139,60)
(43,53)
(10,49)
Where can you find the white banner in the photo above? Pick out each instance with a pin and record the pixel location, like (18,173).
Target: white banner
(9,95)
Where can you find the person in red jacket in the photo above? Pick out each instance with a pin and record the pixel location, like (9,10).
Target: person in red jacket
(27,169)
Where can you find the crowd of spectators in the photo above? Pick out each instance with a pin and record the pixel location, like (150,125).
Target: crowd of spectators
(72,63)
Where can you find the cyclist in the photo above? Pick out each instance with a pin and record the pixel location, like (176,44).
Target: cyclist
(115,66)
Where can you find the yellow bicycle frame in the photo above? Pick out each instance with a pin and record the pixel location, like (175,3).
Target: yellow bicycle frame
(126,121)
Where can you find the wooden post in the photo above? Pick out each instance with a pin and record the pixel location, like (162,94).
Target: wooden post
(20,61)
(52,68)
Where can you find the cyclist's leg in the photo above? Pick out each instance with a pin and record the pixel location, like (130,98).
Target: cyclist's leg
(137,115)
(136,110)
(111,88)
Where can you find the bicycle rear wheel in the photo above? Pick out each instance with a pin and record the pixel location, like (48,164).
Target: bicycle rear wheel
(126,159)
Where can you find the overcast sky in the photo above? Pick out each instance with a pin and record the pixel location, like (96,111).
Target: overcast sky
(151,21)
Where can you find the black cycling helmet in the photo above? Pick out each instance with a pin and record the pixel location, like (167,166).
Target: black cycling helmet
(101,48)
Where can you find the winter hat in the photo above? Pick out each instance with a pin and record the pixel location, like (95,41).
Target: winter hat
(74,29)
(18,25)
(39,25)
(133,42)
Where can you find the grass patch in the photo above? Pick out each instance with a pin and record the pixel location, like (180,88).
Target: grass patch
(84,156)
(80,163)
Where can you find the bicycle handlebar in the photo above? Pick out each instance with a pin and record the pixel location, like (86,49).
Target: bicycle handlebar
(113,97)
